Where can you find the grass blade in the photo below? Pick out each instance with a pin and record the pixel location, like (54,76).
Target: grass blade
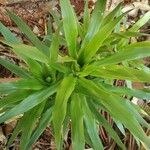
(21,85)
(107,126)
(8,35)
(78,140)
(120,72)
(29,123)
(92,47)
(90,123)
(140,22)
(127,91)
(14,68)
(95,21)
(45,119)
(13,98)
(117,107)
(70,26)
(29,102)
(28,32)
(64,92)
(131,52)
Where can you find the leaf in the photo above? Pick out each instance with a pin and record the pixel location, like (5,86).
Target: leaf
(64,92)
(29,51)
(30,102)
(22,84)
(9,37)
(70,26)
(119,72)
(96,42)
(117,108)
(90,123)
(77,130)
(61,68)
(28,32)
(16,131)
(95,21)
(54,49)
(13,98)
(128,34)
(106,125)
(29,123)
(35,68)
(45,119)
(86,16)
(127,91)
(14,68)
(140,22)
(111,15)
(131,52)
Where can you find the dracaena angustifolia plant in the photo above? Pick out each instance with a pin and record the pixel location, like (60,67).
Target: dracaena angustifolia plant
(58,88)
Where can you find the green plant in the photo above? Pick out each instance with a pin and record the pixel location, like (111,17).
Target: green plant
(72,88)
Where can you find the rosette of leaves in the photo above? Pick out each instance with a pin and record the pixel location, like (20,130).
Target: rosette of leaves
(72,88)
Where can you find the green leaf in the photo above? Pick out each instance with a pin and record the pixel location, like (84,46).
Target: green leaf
(54,49)
(128,34)
(64,92)
(95,21)
(118,72)
(16,131)
(111,15)
(22,84)
(70,26)
(90,123)
(106,125)
(29,124)
(117,108)
(34,67)
(61,68)
(9,37)
(127,91)
(140,22)
(30,102)
(13,98)
(14,68)
(29,51)
(45,119)
(86,16)
(96,42)
(131,52)
(28,32)
(77,129)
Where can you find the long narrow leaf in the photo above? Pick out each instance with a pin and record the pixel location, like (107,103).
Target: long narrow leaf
(106,125)
(9,37)
(13,98)
(46,117)
(95,21)
(90,123)
(70,26)
(92,47)
(14,68)
(77,123)
(119,72)
(27,31)
(131,52)
(29,123)
(64,92)
(117,107)
(29,102)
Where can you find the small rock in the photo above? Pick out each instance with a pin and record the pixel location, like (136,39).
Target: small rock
(36,30)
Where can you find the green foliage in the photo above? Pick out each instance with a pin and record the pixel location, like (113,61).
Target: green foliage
(59,89)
